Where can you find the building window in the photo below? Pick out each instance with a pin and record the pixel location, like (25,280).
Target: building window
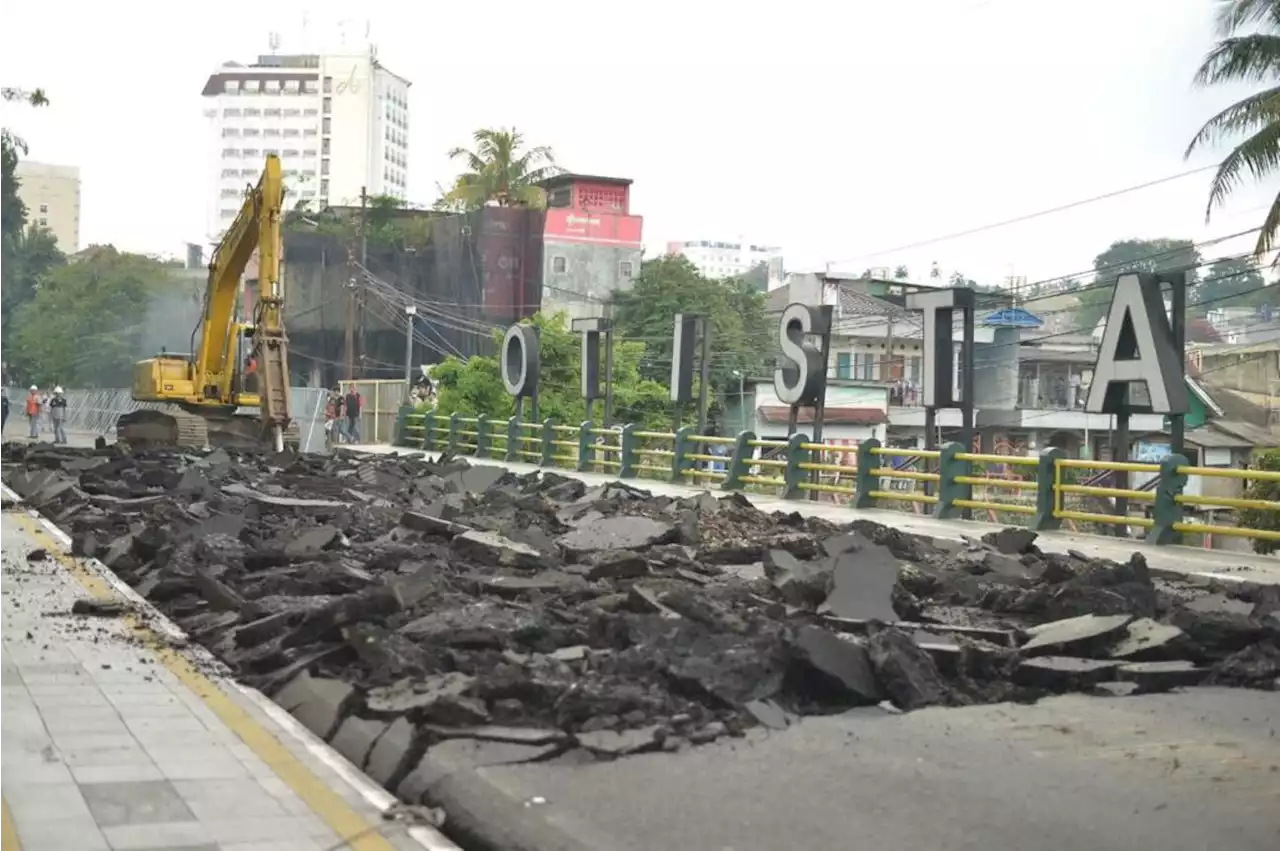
(231,112)
(249,172)
(251,85)
(624,270)
(271,113)
(913,368)
(291,86)
(44,223)
(324,147)
(44,209)
(230,172)
(324,166)
(230,193)
(271,131)
(328,85)
(310,112)
(272,86)
(309,173)
(326,126)
(844,368)
(559,265)
(309,152)
(252,131)
(309,131)
(251,152)
(324,188)
(326,106)
(310,87)
(292,113)
(292,132)
(231,87)
(252,112)
(290,152)
(231,152)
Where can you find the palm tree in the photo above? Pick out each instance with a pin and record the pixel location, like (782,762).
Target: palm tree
(1248,51)
(498,170)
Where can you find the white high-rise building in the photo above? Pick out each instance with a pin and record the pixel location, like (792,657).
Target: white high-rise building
(338,121)
(727,259)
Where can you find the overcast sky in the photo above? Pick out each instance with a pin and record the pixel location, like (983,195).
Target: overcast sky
(835,130)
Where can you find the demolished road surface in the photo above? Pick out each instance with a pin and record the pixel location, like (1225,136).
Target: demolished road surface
(423,616)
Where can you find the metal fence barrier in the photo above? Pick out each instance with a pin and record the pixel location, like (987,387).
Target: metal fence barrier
(955,483)
(96,411)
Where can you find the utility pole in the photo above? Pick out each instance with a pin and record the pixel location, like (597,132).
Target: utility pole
(359,294)
(349,353)
(410,311)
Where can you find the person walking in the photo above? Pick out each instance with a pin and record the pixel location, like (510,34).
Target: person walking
(33,412)
(351,404)
(58,415)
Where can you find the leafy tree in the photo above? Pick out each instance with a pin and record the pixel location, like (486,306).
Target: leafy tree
(475,386)
(86,323)
(500,170)
(1232,281)
(958,279)
(28,259)
(741,339)
(1260,518)
(387,222)
(1248,52)
(36,97)
(1133,255)
(900,273)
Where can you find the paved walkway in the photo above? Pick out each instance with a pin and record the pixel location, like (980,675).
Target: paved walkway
(114,739)
(1187,560)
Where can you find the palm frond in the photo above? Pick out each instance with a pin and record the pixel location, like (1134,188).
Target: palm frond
(1259,154)
(1250,58)
(1243,116)
(1267,236)
(1237,14)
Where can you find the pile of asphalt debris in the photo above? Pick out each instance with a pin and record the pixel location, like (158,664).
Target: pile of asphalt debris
(399,607)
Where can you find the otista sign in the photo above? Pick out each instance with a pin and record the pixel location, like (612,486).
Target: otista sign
(1137,346)
(798,380)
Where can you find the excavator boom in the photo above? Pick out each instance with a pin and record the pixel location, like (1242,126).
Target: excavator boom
(211,384)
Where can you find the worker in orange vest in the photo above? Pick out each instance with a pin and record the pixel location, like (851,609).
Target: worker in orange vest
(34,406)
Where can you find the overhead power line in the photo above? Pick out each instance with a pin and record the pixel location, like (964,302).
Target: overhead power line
(1061,208)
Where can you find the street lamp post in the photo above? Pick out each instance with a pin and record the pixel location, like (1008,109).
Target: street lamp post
(410,311)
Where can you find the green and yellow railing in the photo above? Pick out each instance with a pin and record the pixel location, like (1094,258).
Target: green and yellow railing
(1041,492)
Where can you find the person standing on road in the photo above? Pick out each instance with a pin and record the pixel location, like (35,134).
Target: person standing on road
(4,417)
(58,415)
(351,404)
(33,412)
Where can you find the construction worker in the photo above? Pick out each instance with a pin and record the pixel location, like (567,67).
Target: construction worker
(58,415)
(251,375)
(34,407)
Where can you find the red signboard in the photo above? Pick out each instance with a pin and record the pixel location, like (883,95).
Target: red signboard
(566,225)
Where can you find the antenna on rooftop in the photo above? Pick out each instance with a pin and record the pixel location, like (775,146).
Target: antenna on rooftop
(273,40)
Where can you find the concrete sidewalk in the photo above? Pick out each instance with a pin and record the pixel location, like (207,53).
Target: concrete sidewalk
(112,738)
(1220,564)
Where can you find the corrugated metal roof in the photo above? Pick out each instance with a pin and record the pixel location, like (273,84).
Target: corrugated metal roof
(1208,438)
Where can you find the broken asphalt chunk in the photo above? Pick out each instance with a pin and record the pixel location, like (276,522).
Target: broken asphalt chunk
(101,608)
(615,533)
(1143,636)
(494,549)
(1080,633)
(317,702)
(1162,676)
(825,664)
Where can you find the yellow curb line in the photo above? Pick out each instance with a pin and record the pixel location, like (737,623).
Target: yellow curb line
(8,833)
(332,809)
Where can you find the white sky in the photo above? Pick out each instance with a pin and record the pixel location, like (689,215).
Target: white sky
(835,130)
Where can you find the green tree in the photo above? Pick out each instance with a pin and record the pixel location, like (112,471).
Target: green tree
(475,386)
(1133,255)
(86,324)
(28,259)
(1261,518)
(741,335)
(1232,281)
(900,273)
(500,169)
(32,97)
(1248,52)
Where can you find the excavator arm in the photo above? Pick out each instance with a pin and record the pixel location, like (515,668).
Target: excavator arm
(208,385)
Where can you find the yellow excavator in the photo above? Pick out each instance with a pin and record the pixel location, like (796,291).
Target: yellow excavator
(236,365)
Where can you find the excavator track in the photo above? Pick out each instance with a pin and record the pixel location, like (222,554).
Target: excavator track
(185,430)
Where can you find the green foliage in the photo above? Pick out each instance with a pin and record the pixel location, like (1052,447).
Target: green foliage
(1234,282)
(388,223)
(901,273)
(475,387)
(499,169)
(10,141)
(1133,255)
(742,339)
(87,321)
(1258,518)
(1247,52)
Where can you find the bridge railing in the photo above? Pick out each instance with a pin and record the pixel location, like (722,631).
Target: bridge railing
(1038,491)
